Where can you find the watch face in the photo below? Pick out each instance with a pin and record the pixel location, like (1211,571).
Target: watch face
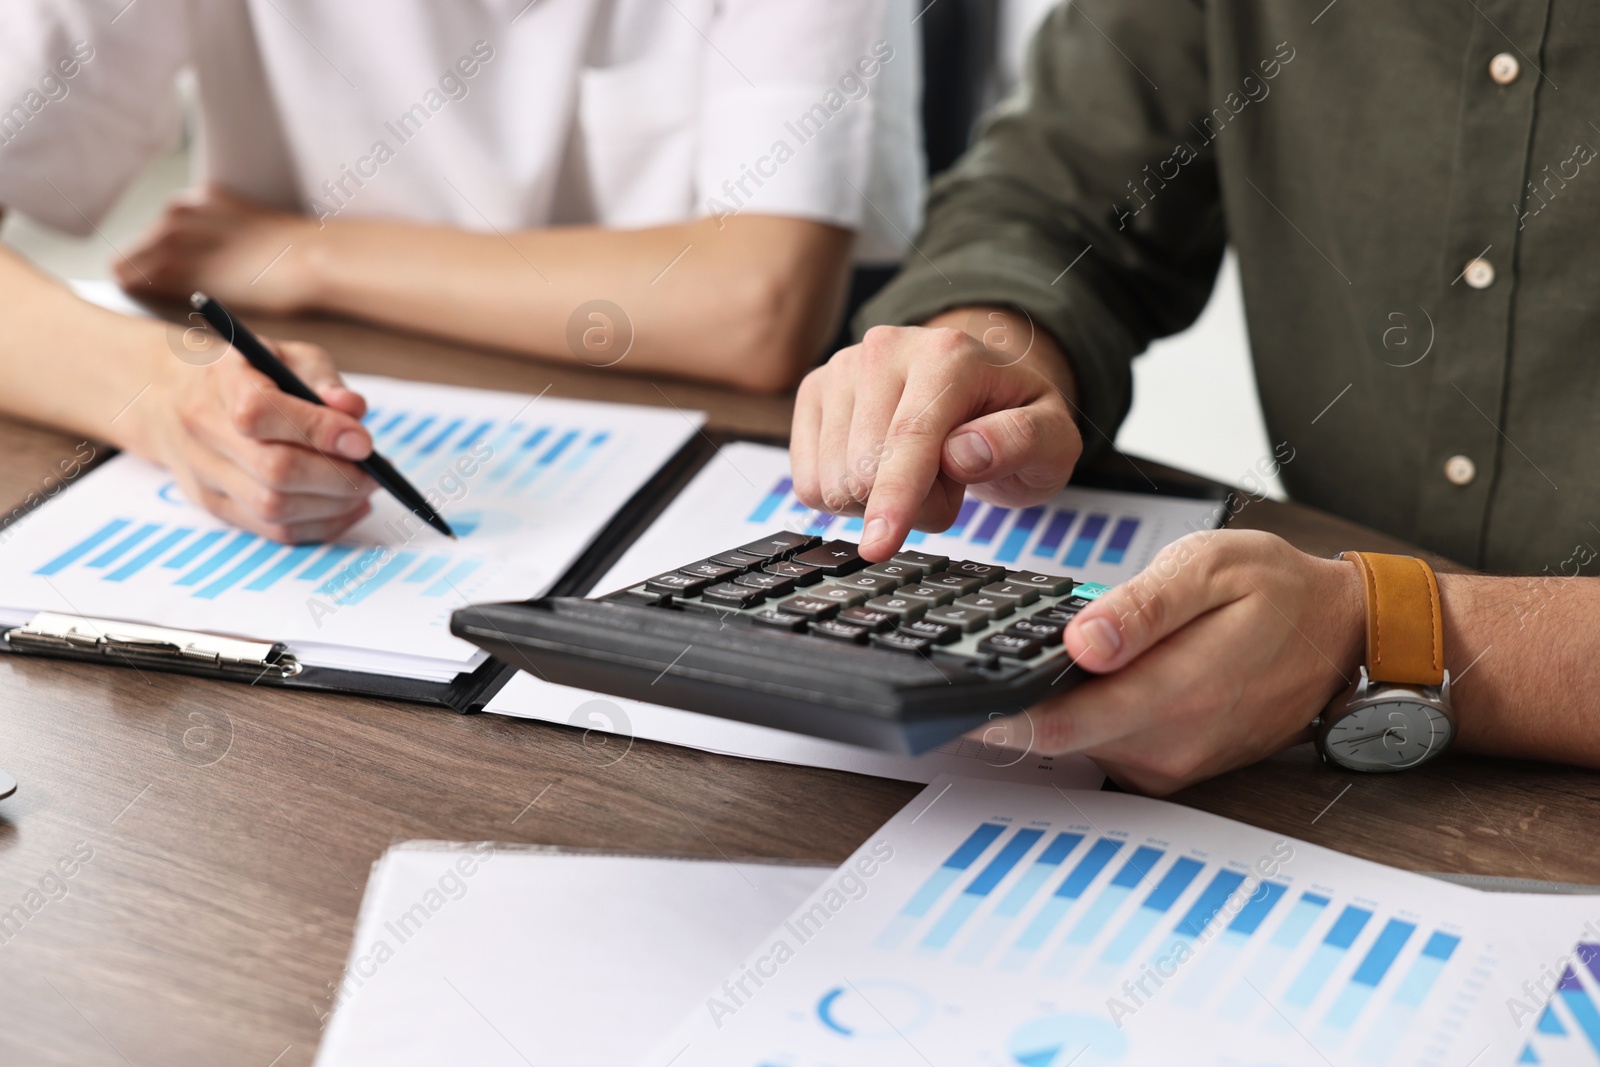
(1390,734)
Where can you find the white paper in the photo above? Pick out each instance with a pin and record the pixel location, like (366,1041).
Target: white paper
(527,481)
(993,923)
(620,722)
(742,494)
(483,955)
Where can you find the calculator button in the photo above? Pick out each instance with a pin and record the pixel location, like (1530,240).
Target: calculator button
(779,620)
(841,595)
(1011,646)
(839,631)
(1040,629)
(1017,593)
(928,595)
(738,560)
(898,606)
(960,584)
(738,596)
(1087,591)
(779,544)
(901,642)
(902,573)
(835,557)
(964,619)
(809,607)
(710,570)
(992,607)
(928,562)
(677,583)
(1074,604)
(988,572)
(1058,615)
(773,584)
(868,617)
(871,584)
(938,632)
(802,574)
(1051,584)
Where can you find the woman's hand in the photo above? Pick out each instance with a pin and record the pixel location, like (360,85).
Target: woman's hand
(234,249)
(261,459)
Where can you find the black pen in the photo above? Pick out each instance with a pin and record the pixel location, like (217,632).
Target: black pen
(261,358)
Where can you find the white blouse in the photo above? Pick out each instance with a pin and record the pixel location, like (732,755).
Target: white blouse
(481,114)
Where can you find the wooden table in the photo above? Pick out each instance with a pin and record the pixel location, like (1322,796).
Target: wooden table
(212,921)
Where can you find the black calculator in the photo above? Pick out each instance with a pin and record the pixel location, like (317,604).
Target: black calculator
(804,635)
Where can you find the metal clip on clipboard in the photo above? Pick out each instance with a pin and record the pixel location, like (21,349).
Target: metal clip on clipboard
(153,646)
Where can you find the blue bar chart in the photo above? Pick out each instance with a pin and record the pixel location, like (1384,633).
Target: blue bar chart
(522,458)
(215,563)
(1100,911)
(1245,998)
(1151,910)
(940,881)
(1056,906)
(962,908)
(1045,865)
(1066,537)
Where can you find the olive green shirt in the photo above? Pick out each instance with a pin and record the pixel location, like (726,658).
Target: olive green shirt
(1413,193)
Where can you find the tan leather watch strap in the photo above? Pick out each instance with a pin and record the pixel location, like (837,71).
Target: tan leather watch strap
(1405,626)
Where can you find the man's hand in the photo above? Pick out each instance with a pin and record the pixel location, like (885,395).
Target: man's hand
(239,251)
(257,457)
(1218,654)
(898,427)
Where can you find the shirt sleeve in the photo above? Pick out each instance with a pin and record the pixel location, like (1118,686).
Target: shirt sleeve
(86,101)
(1090,201)
(808,109)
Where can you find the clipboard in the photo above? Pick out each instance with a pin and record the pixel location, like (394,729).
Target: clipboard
(267,662)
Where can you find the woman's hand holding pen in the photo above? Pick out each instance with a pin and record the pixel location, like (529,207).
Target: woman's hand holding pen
(251,454)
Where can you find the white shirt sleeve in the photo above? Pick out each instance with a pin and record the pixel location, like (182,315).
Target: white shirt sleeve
(86,101)
(809,110)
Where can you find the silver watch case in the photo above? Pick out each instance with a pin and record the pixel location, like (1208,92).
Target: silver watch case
(1363,694)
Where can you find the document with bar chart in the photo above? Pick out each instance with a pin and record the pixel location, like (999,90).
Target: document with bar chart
(1003,925)
(526,482)
(1091,534)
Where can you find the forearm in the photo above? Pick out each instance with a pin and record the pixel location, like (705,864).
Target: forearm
(70,364)
(1524,662)
(750,303)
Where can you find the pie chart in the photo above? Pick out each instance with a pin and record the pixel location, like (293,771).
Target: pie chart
(874,1009)
(1057,1040)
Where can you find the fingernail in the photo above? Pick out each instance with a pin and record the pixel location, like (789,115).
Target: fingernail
(1102,637)
(352,445)
(971,452)
(875,529)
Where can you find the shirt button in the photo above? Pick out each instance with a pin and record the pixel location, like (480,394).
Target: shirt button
(1504,68)
(1459,470)
(1479,273)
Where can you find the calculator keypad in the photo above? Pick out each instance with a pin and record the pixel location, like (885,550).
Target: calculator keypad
(916,603)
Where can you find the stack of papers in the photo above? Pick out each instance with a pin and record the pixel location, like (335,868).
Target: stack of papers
(526,482)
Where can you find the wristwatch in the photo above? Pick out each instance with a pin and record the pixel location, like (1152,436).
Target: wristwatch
(1396,715)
